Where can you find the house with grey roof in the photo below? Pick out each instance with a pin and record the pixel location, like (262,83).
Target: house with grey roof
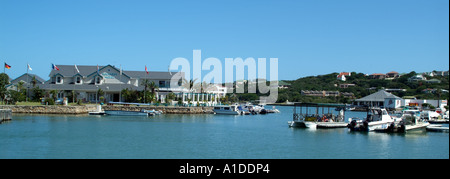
(28,81)
(85,81)
(380,99)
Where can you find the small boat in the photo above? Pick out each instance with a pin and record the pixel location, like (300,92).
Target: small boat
(225,109)
(127,113)
(98,111)
(437,128)
(377,119)
(411,120)
(153,111)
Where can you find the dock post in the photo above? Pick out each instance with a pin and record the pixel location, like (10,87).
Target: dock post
(5,115)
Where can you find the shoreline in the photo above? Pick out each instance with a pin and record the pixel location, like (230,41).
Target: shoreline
(85,109)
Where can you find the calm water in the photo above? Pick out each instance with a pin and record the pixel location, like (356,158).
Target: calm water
(203,136)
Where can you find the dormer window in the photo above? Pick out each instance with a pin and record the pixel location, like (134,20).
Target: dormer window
(78,80)
(59,80)
(98,80)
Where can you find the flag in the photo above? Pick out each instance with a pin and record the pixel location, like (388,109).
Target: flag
(29,68)
(54,67)
(146,69)
(168,69)
(7,66)
(98,69)
(76,68)
(120,69)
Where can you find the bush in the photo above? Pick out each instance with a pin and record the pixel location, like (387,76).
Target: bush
(49,101)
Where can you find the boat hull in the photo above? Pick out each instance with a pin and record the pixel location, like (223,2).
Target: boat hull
(330,125)
(228,112)
(302,124)
(126,113)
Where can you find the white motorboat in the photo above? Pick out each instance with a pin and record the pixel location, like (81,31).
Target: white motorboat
(98,111)
(377,119)
(411,120)
(153,111)
(225,109)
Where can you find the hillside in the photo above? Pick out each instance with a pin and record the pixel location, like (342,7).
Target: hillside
(363,86)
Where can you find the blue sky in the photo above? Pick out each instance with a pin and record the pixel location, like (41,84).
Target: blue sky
(309,37)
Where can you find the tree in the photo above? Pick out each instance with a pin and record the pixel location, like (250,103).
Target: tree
(4,80)
(34,81)
(54,93)
(189,84)
(145,83)
(153,87)
(37,93)
(20,86)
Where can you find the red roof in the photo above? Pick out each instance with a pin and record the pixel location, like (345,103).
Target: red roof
(345,73)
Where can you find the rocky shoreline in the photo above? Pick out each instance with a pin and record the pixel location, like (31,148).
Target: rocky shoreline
(85,109)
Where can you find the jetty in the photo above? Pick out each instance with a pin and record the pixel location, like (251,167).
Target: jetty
(5,115)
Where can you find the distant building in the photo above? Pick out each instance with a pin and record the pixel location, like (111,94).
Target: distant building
(325,93)
(433,81)
(417,78)
(392,74)
(441,73)
(342,75)
(346,85)
(377,76)
(283,84)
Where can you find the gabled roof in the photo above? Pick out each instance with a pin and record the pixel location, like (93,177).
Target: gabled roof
(38,79)
(283,83)
(85,71)
(378,96)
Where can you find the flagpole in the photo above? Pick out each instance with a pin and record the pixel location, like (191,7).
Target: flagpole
(28,84)
(120,91)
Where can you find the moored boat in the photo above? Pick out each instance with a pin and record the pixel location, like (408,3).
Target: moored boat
(98,111)
(307,115)
(229,110)
(377,119)
(437,128)
(411,120)
(127,113)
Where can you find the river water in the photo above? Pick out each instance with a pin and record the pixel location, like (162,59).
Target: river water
(205,136)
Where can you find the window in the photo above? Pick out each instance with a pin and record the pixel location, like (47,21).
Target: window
(98,80)
(78,80)
(59,80)
(162,83)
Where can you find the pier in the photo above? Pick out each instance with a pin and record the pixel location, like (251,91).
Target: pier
(5,115)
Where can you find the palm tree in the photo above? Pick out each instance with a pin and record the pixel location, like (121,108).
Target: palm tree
(34,81)
(152,85)
(20,86)
(145,83)
(189,84)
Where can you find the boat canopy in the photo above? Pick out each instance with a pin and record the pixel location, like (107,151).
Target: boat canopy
(320,105)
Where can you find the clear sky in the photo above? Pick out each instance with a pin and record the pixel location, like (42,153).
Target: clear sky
(309,37)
